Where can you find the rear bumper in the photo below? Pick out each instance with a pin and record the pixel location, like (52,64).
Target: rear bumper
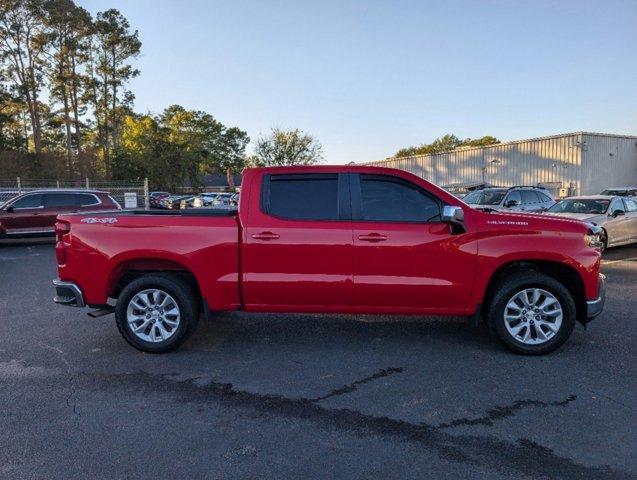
(68,293)
(595,307)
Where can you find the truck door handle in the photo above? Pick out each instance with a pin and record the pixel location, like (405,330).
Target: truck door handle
(265,236)
(373,237)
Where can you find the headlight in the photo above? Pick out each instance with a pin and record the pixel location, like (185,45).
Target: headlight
(593,241)
(593,238)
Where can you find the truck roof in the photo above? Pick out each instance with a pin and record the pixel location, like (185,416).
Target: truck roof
(325,168)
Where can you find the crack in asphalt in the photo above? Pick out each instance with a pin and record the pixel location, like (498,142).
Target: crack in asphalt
(384,372)
(523,457)
(500,412)
(69,369)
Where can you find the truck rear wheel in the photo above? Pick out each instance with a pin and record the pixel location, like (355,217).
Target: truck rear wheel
(532,313)
(156,312)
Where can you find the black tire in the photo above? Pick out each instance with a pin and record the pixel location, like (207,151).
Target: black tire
(604,236)
(513,283)
(183,296)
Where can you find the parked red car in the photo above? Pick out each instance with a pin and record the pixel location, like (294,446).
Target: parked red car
(333,239)
(34,213)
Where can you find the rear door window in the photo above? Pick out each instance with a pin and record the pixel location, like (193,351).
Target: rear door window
(302,197)
(631,205)
(59,200)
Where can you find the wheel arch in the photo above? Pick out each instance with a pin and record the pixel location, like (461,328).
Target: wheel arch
(130,269)
(563,273)
(605,238)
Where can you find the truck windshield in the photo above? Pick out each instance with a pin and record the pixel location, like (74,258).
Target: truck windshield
(581,205)
(485,197)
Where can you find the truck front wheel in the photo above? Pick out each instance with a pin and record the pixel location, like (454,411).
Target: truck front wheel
(532,313)
(156,312)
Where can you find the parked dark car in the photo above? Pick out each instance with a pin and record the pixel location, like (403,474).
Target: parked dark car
(34,213)
(155,197)
(6,195)
(173,202)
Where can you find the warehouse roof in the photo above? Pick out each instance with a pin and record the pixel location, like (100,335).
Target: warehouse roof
(511,142)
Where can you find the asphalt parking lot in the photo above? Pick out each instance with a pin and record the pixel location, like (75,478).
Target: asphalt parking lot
(309,396)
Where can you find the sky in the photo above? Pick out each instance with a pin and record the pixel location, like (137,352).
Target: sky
(369,77)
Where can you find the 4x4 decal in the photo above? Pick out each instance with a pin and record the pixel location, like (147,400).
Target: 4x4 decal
(99,220)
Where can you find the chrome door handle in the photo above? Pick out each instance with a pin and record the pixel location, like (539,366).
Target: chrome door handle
(373,237)
(265,236)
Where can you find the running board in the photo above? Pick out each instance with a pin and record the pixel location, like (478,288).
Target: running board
(101,312)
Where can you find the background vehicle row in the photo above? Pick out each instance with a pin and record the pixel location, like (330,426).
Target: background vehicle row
(175,202)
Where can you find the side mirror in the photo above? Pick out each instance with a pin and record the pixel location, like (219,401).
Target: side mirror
(9,209)
(511,203)
(617,213)
(455,217)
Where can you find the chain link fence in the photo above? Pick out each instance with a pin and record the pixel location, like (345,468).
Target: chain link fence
(128,194)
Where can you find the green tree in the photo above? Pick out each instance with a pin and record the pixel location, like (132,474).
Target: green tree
(67,27)
(287,147)
(446,143)
(481,142)
(194,138)
(12,125)
(230,154)
(113,46)
(22,46)
(178,146)
(144,153)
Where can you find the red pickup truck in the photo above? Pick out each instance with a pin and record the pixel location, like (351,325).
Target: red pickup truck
(333,239)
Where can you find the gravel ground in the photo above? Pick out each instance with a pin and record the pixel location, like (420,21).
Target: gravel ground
(309,396)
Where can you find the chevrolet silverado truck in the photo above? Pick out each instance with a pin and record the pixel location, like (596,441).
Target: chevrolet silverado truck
(333,239)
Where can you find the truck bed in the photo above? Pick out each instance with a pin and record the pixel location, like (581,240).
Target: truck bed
(203,241)
(188,212)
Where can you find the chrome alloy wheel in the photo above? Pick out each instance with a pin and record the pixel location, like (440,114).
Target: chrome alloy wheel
(153,315)
(533,316)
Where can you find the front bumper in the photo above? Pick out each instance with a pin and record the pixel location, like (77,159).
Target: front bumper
(595,307)
(68,293)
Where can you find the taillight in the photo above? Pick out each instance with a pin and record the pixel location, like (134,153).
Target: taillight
(62,228)
(60,253)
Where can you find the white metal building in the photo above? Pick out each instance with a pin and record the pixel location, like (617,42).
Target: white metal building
(577,163)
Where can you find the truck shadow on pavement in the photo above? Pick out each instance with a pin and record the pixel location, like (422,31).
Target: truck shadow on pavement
(523,456)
